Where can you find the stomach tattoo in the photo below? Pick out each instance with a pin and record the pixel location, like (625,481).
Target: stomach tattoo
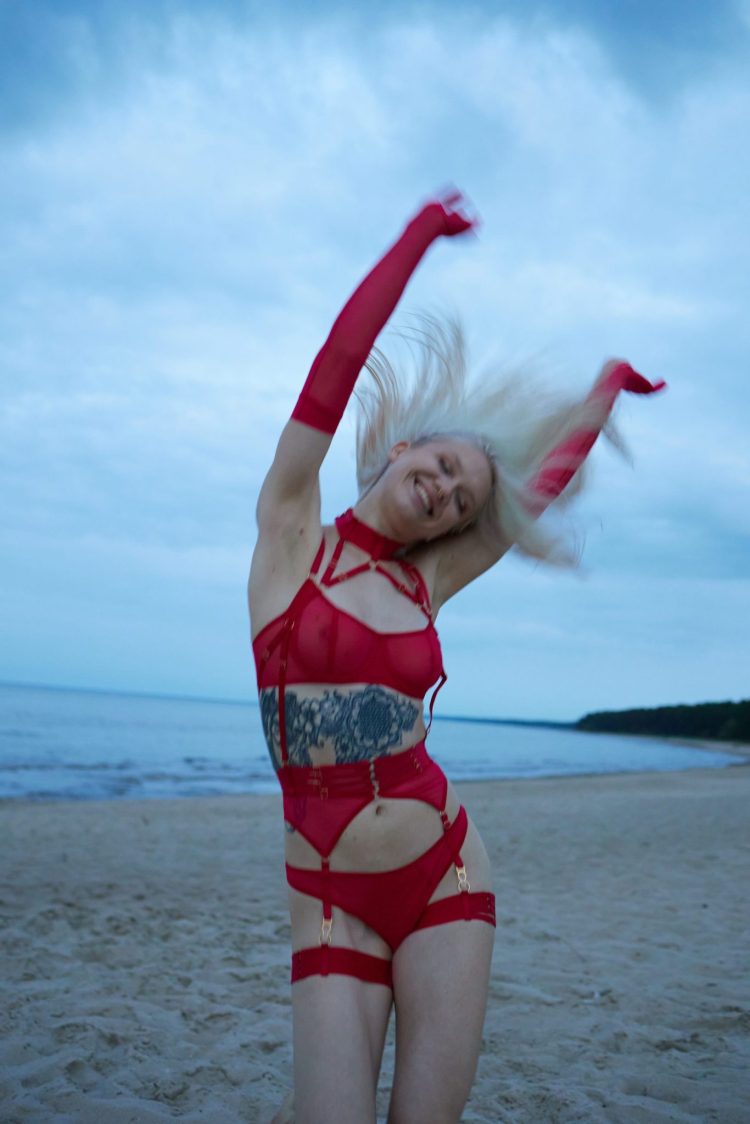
(355,725)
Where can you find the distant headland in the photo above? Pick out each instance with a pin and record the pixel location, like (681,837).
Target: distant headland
(719,721)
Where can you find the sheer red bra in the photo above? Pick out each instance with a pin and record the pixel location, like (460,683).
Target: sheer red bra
(314,641)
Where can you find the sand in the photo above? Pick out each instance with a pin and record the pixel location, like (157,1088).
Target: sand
(145,961)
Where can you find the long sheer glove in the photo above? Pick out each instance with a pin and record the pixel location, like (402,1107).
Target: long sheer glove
(562,462)
(332,376)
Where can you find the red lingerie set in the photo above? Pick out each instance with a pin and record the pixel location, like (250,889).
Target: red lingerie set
(314,641)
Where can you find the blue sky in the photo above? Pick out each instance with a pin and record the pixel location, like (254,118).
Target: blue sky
(189,193)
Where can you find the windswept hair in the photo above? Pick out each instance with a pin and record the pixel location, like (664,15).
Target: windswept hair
(509,416)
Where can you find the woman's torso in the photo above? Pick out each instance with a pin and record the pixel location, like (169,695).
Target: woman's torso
(350,718)
(354,652)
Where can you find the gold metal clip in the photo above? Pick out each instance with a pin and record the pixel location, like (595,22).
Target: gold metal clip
(463,881)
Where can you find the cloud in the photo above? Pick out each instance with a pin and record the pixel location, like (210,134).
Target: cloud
(190,194)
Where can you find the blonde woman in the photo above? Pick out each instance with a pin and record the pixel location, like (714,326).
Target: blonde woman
(389,883)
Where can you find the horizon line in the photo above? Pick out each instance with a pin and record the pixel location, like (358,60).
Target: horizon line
(489,720)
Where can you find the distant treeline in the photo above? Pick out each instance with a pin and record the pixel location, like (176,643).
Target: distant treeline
(722,721)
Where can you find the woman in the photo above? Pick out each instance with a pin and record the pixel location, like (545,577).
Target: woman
(390,887)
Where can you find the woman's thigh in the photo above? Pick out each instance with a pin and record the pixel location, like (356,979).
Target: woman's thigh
(340,1025)
(440,982)
(441,976)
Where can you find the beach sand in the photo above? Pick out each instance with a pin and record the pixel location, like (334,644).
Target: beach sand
(145,955)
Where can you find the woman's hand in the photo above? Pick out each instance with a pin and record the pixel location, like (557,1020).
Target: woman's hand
(456,218)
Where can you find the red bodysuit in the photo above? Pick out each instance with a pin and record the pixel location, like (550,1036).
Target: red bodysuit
(314,641)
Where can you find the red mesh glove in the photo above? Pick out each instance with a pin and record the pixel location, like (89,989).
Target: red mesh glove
(561,463)
(332,376)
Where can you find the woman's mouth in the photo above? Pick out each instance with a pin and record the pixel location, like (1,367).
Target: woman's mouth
(424,496)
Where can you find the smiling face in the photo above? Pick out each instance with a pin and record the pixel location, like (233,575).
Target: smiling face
(432,488)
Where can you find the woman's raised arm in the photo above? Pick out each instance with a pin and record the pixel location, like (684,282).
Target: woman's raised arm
(293,477)
(458,560)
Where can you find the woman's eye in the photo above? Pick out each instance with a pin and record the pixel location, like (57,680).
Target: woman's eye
(444,466)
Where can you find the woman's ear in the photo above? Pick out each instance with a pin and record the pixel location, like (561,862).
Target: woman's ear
(399,448)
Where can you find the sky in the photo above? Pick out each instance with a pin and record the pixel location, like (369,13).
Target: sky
(190,191)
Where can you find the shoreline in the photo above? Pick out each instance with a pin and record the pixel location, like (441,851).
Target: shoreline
(737,750)
(146,944)
(743,758)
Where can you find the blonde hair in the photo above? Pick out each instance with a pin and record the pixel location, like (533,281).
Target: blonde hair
(509,416)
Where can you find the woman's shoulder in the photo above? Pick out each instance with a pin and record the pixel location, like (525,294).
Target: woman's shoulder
(425,559)
(283,555)
(452,562)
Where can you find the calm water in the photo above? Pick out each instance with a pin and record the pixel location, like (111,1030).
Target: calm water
(57,744)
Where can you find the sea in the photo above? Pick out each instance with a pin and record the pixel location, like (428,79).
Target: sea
(62,744)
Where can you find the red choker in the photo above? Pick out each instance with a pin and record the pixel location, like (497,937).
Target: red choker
(353,530)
